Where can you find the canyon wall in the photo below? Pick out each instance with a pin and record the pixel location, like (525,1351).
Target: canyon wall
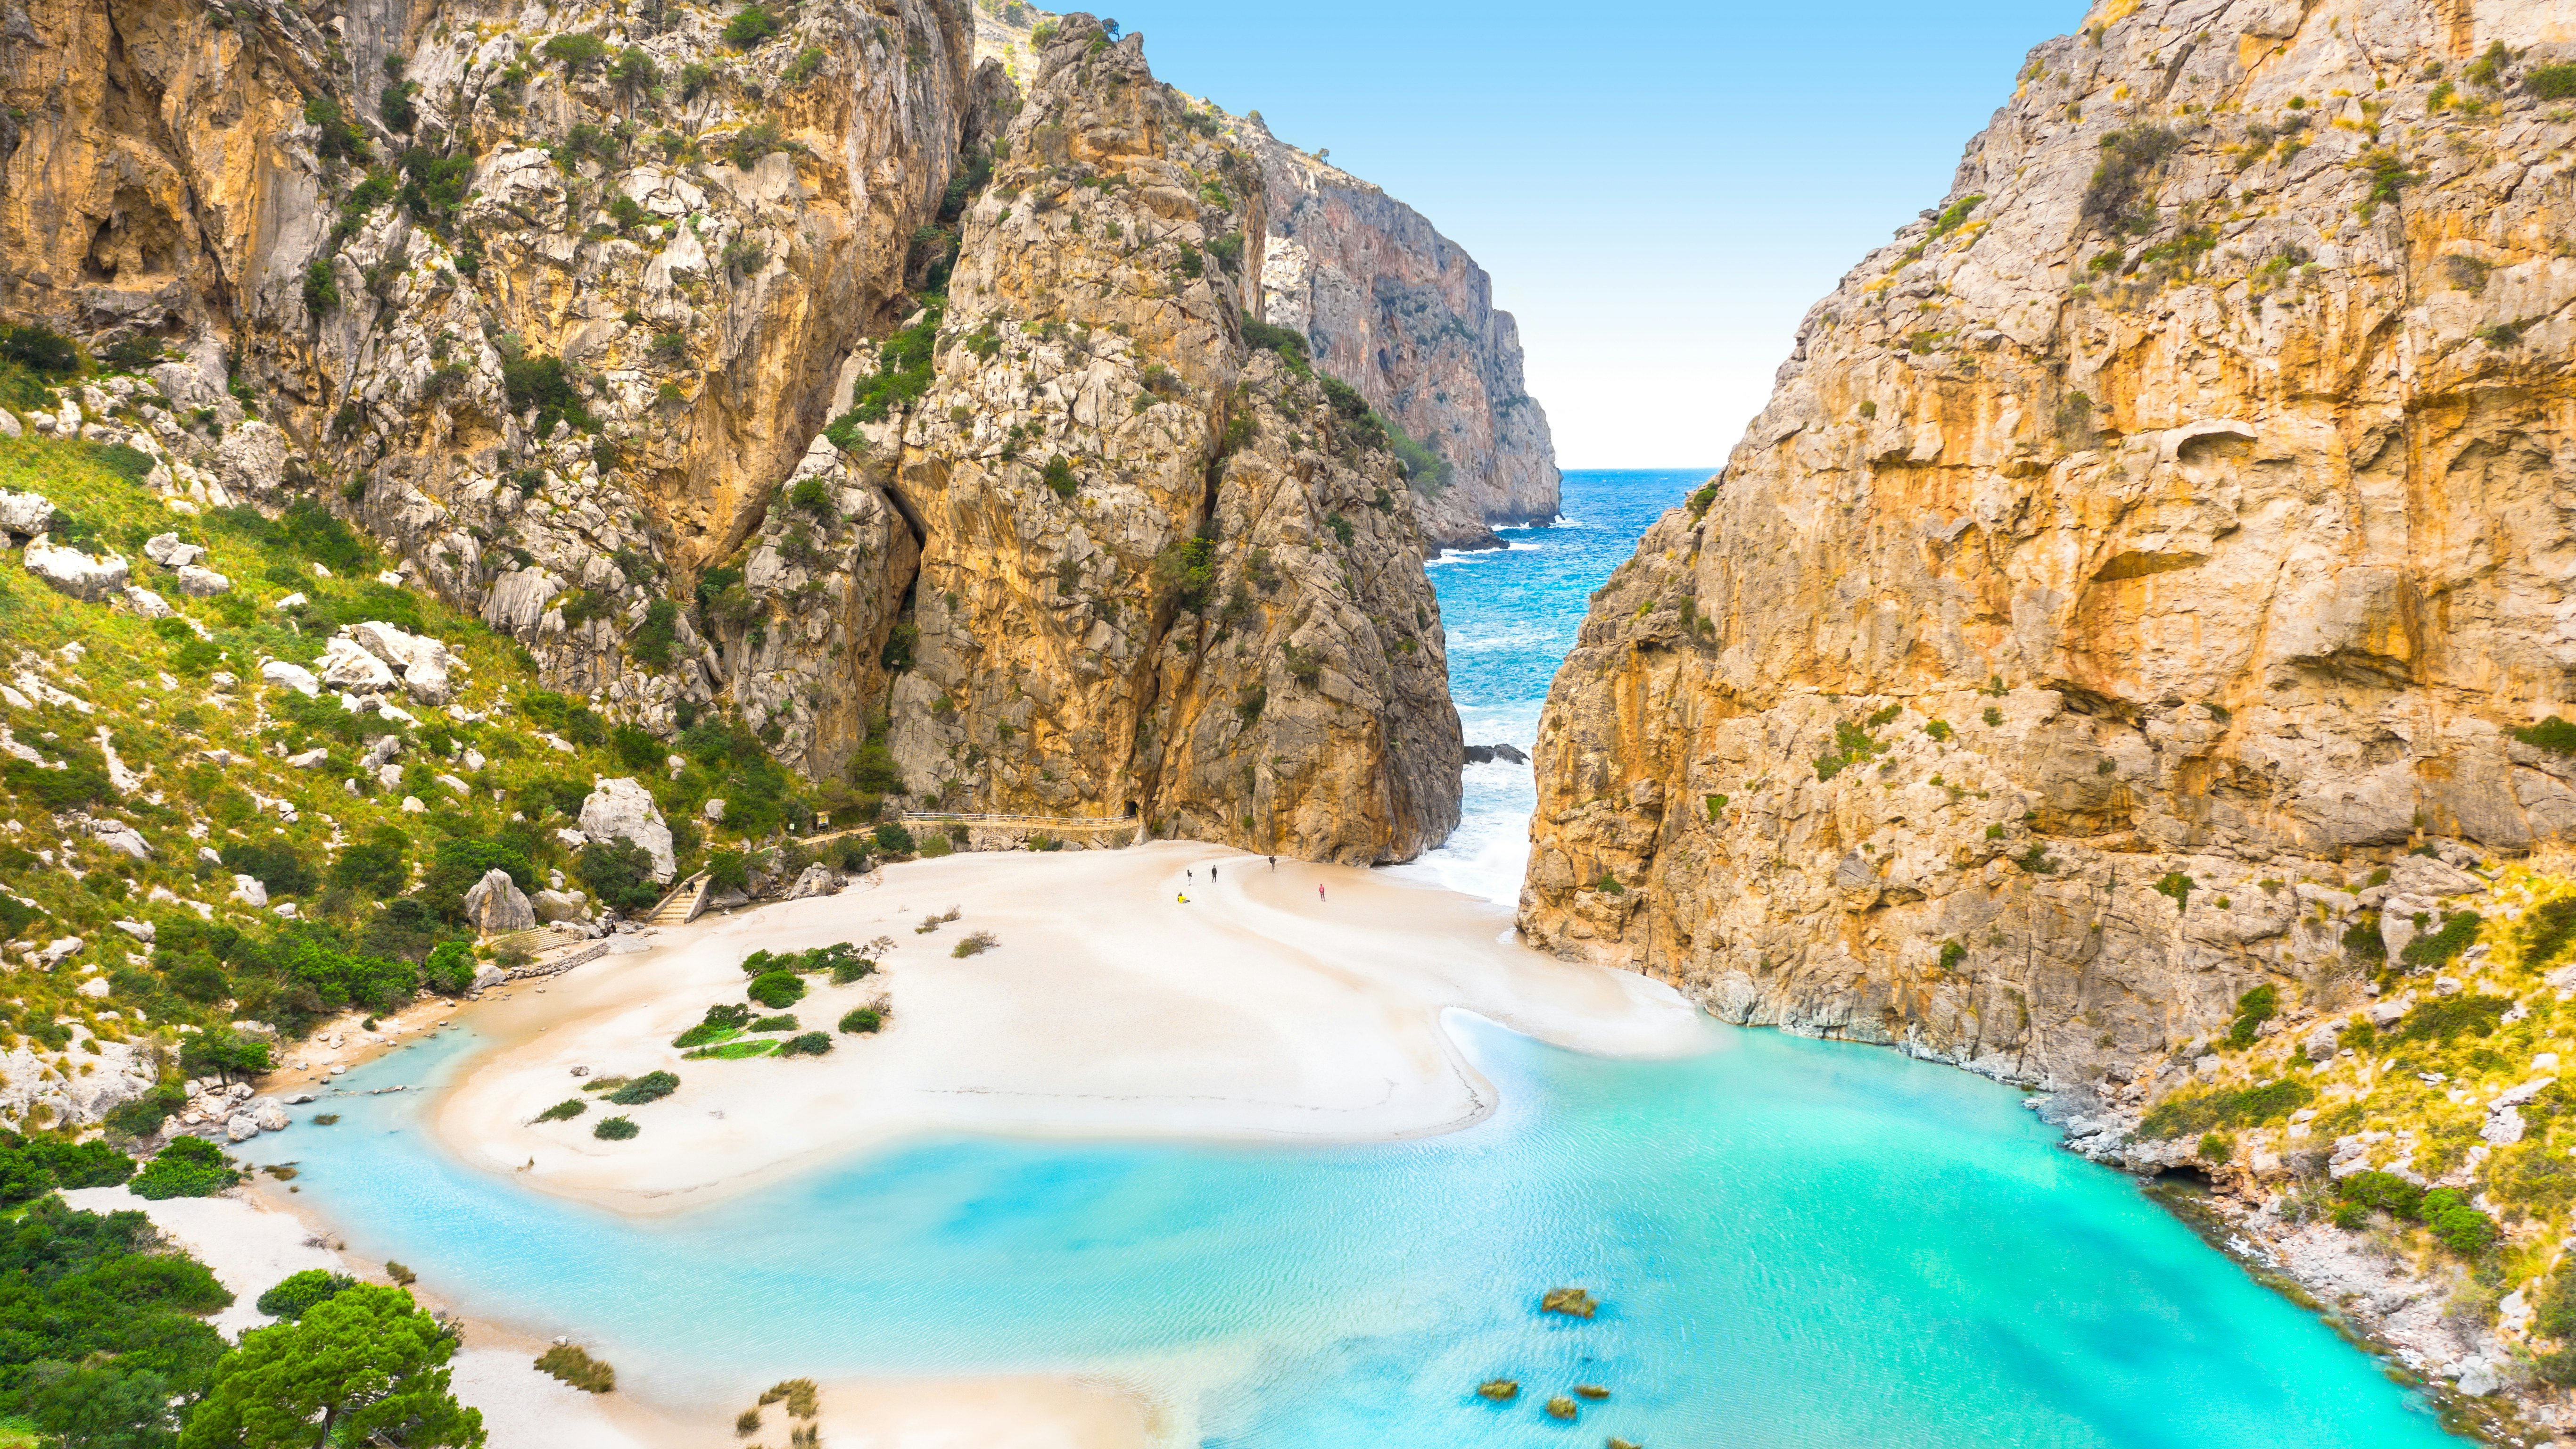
(559,305)
(2157,535)
(1402,313)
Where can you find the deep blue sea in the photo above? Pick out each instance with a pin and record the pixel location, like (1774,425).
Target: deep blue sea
(1799,1244)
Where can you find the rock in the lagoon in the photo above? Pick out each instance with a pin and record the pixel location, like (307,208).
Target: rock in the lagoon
(25,514)
(1572,1302)
(552,906)
(621,809)
(1487,754)
(268,1114)
(496,907)
(69,571)
(241,1127)
(199,582)
(301,1099)
(166,550)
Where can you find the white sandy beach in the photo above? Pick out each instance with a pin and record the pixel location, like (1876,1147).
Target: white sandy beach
(1109,1009)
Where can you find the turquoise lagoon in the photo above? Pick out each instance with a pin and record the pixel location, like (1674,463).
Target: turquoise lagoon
(1798,1243)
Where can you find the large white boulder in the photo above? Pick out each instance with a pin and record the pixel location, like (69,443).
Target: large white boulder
(25,513)
(166,550)
(344,665)
(294,676)
(552,906)
(496,907)
(147,603)
(200,582)
(73,572)
(248,890)
(423,664)
(623,809)
(252,458)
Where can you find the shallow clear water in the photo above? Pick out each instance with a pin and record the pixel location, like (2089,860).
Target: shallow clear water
(1512,614)
(1799,1243)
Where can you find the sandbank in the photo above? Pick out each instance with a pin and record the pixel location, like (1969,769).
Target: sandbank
(1112,1007)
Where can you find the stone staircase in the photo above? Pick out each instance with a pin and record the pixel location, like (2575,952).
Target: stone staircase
(682,905)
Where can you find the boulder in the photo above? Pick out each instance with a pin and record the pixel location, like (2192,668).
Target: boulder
(166,550)
(488,976)
(344,665)
(252,458)
(200,582)
(268,1113)
(147,603)
(248,890)
(714,809)
(621,809)
(294,676)
(496,907)
(241,1127)
(553,906)
(818,880)
(70,571)
(25,514)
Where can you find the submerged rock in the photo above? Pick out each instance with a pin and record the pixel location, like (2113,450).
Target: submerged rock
(1572,1302)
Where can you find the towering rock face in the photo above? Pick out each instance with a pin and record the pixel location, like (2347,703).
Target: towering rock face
(1144,568)
(2164,527)
(558,305)
(1406,316)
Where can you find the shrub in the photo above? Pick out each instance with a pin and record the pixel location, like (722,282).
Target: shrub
(1058,476)
(2177,888)
(975,944)
(615,1129)
(2551,82)
(2216,1147)
(2119,186)
(650,1087)
(811,1044)
(296,1293)
(1952,953)
(564,1111)
(188,1167)
(2436,948)
(577,53)
(30,1167)
(777,990)
(894,839)
(2362,941)
(620,873)
(750,26)
(2385,1191)
(576,1367)
(2462,1228)
(2253,1009)
(2446,1020)
(2181,1114)
(722,1020)
(862,1020)
(38,349)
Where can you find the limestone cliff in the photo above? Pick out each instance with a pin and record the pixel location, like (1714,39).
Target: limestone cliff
(558,303)
(1402,313)
(1152,571)
(1389,306)
(2154,537)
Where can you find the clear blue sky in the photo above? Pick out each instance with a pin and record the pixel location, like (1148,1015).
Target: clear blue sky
(1659,189)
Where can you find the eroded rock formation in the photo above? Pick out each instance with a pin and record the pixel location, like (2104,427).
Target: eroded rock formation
(2160,531)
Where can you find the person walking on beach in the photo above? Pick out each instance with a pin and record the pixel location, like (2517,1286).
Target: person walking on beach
(1182,899)
(1319,891)
(1274,862)
(1211,875)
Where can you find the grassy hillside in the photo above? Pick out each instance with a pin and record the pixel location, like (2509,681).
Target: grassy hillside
(2436,1122)
(374,883)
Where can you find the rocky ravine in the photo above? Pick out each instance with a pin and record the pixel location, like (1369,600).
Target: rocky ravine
(558,307)
(2164,520)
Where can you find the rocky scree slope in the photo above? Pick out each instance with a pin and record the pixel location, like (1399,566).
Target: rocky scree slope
(2167,518)
(556,306)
